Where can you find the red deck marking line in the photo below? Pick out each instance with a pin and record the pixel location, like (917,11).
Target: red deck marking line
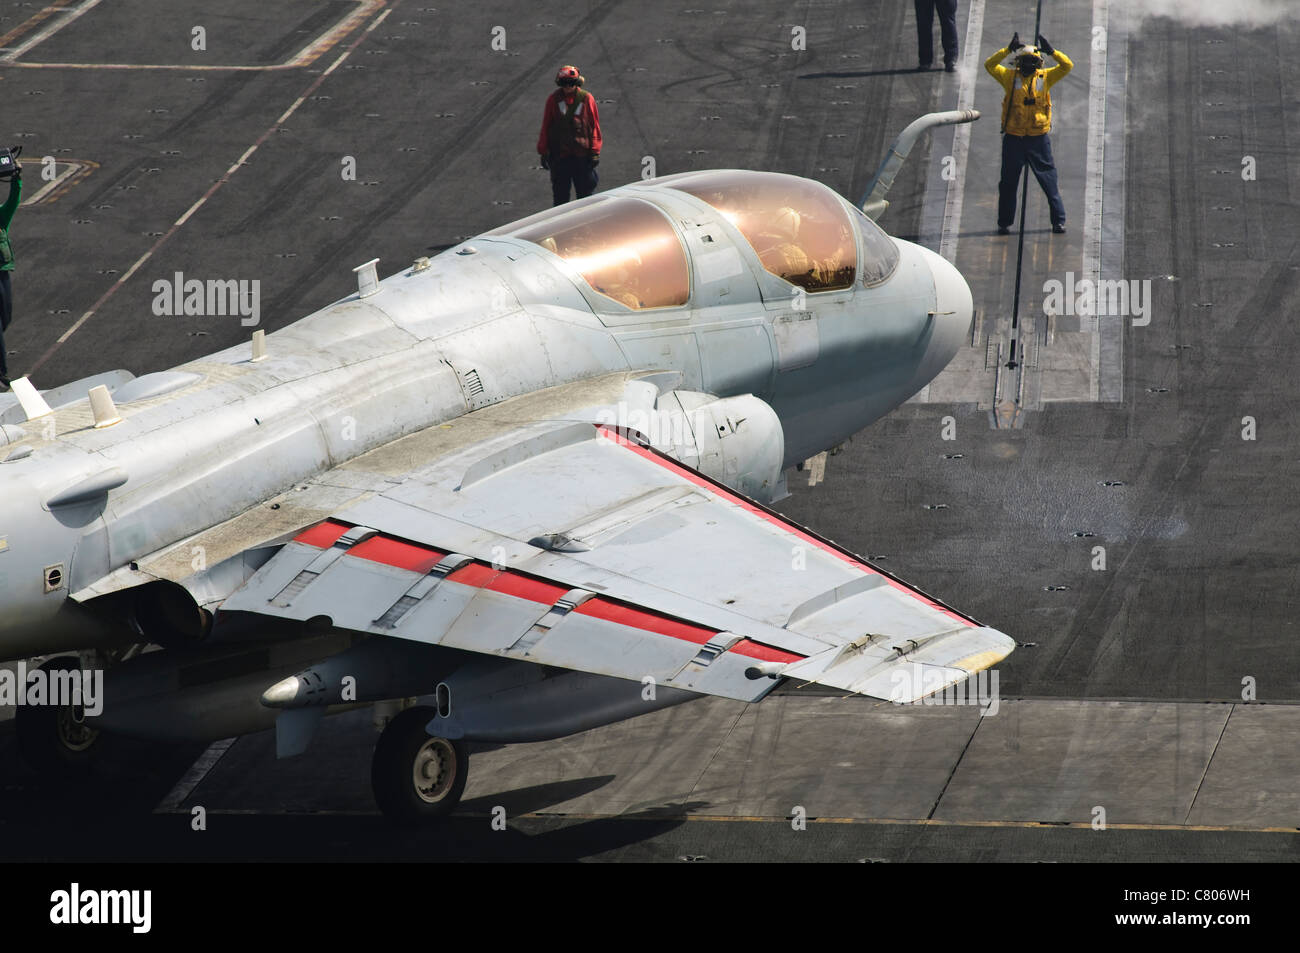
(394,552)
(764,653)
(704,483)
(608,611)
(323,535)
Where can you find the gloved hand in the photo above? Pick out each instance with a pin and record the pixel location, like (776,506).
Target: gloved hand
(18,172)
(595,161)
(545,160)
(1045,46)
(1015,43)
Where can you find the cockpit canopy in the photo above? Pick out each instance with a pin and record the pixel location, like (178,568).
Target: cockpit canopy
(879,253)
(799,228)
(624,248)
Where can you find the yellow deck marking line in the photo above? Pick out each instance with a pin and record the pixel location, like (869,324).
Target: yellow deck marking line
(726,818)
(912,822)
(32,22)
(53,191)
(307,55)
(69,16)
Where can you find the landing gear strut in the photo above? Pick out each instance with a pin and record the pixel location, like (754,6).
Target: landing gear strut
(417,778)
(55,740)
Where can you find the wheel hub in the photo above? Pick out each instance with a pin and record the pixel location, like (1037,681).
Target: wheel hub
(434,769)
(74,733)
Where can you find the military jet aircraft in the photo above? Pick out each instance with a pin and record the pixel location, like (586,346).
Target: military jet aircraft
(527,481)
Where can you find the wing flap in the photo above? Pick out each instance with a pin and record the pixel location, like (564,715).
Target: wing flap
(480,608)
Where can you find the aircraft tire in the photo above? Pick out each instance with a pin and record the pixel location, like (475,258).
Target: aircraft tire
(54,740)
(417,778)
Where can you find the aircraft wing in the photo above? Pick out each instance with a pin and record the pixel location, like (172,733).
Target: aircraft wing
(565,543)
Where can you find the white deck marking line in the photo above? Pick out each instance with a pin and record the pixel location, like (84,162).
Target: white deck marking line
(952,204)
(73,167)
(306,55)
(1092,196)
(64,17)
(970,63)
(194,776)
(315,84)
(33,22)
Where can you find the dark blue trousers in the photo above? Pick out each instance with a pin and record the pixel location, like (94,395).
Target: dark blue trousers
(1037,152)
(925,11)
(575,171)
(6,316)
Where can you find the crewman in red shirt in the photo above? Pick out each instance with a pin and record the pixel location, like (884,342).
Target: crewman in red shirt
(569,143)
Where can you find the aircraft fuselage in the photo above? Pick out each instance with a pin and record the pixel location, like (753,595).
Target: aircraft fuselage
(496,317)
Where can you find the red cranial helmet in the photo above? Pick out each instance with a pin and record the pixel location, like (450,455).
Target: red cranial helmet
(568,76)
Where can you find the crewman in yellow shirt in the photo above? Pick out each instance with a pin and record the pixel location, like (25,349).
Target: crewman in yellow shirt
(1026,121)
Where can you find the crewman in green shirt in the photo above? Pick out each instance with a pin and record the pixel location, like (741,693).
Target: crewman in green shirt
(7,265)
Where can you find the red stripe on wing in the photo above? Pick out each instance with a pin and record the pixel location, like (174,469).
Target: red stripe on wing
(418,558)
(764,653)
(527,587)
(609,611)
(509,583)
(475,574)
(322,535)
(394,552)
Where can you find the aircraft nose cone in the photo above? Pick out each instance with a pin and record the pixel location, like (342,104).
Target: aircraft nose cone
(954,310)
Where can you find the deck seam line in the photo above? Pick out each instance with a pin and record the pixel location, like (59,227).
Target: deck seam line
(1208,761)
(966,747)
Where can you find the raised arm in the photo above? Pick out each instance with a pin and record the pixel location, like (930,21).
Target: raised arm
(1063,63)
(11,204)
(994,64)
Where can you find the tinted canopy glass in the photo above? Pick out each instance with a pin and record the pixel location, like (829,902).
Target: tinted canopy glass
(879,253)
(799,228)
(624,248)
